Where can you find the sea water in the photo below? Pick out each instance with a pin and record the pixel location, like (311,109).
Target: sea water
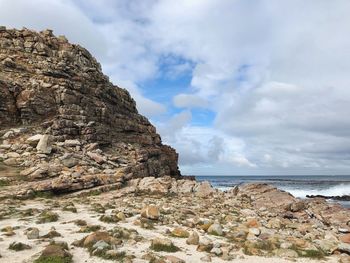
(298,186)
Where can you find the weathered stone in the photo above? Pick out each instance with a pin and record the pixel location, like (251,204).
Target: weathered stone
(297,206)
(203,189)
(70,162)
(180,232)
(96,157)
(57,91)
(45,144)
(154,185)
(264,195)
(327,246)
(72,143)
(121,216)
(344,247)
(33,233)
(345,238)
(33,140)
(95,237)
(215,229)
(205,244)
(193,239)
(150,212)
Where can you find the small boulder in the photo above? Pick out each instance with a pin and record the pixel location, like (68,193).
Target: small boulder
(70,162)
(45,144)
(121,216)
(216,250)
(203,189)
(205,244)
(215,229)
(33,233)
(297,206)
(180,232)
(150,212)
(345,238)
(72,143)
(193,239)
(18,246)
(98,158)
(93,238)
(101,245)
(33,140)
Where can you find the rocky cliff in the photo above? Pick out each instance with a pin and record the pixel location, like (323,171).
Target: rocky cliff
(65,124)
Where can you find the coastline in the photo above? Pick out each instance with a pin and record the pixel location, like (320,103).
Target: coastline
(252,223)
(335,189)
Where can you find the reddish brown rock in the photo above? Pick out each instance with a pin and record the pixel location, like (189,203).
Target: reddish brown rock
(345,238)
(268,196)
(57,89)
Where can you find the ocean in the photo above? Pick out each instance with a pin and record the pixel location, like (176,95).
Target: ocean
(298,186)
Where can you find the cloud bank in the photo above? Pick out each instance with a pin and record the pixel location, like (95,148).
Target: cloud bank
(261,87)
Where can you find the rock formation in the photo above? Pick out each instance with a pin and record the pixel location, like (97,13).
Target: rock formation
(65,123)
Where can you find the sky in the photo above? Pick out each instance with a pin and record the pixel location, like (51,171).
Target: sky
(237,87)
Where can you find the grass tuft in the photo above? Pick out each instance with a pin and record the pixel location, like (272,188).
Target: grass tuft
(54,259)
(165,248)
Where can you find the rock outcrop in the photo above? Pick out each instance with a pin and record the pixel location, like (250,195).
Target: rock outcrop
(65,123)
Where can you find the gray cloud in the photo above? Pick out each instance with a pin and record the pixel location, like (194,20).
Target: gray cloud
(274,72)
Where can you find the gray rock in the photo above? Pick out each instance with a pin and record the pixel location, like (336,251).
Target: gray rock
(344,247)
(72,143)
(45,144)
(33,233)
(70,162)
(217,251)
(33,140)
(101,245)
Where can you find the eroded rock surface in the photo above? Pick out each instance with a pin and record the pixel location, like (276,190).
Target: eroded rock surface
(65,123)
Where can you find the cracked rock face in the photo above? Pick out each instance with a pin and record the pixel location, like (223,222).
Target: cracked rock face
(55,90)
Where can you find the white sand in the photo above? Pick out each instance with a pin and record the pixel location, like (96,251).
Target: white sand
(68,230)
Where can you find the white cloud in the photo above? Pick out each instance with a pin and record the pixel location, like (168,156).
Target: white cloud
(242,161)
(275,73)
(277,80)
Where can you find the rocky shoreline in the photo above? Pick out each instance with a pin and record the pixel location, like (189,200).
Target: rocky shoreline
(168,220)
(333,197)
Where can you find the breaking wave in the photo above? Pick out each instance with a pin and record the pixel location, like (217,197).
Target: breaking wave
(338,190)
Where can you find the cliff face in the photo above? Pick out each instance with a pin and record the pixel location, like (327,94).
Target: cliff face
(57,91)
